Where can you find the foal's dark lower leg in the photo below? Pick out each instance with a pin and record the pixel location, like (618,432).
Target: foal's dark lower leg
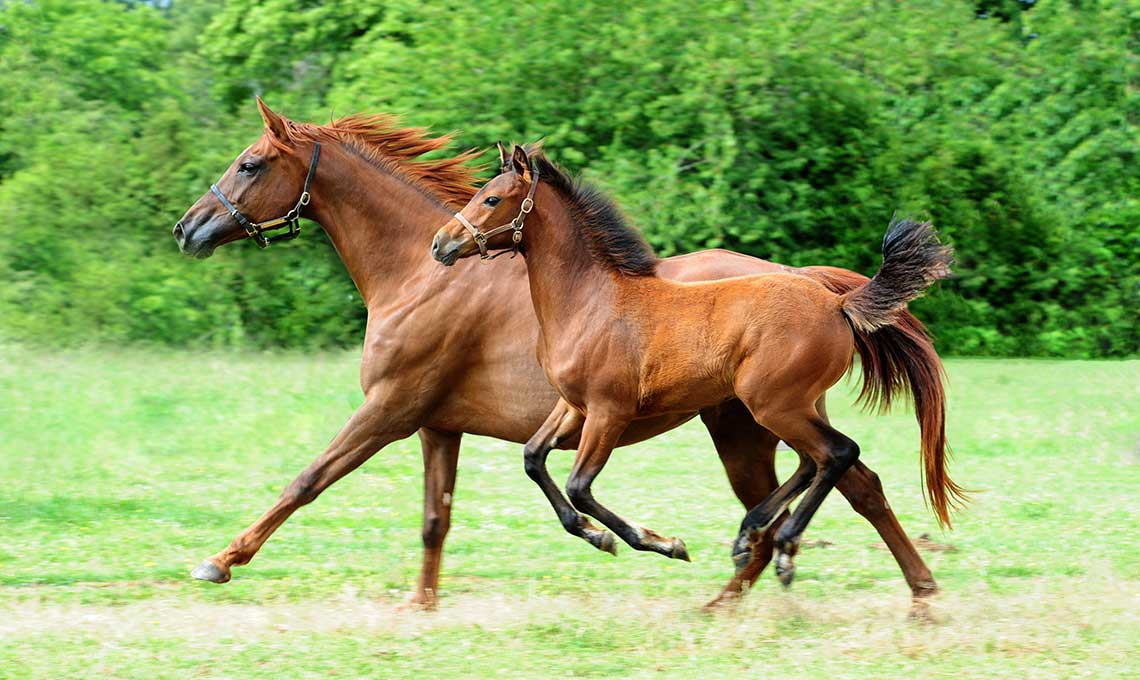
(760,518)
(748,453)
(839,453)
(560,425)
(599,437)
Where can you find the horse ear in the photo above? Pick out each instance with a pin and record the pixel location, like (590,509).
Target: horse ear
(274,124)
(504,158)
(521,163)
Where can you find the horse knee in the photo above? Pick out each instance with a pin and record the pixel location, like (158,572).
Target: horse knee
(303,490)
(578,491)
(434,530)
(533,461)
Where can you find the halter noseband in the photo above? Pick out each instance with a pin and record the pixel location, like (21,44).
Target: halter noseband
(516,224)
(291,220)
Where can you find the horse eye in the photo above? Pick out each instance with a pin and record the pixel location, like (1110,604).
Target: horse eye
(247,167)
(491,201)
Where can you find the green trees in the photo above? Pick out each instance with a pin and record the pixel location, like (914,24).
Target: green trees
(791,131)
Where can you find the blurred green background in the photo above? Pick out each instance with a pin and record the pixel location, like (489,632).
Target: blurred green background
(790,131)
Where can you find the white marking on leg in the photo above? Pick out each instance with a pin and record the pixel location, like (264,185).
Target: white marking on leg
(446,499)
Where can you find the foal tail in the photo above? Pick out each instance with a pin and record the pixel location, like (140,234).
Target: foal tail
(895,350)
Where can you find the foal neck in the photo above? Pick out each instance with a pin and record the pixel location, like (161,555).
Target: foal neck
(566,280)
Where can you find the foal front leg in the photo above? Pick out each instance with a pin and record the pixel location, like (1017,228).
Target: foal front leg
(373,426)
(600,435)
(562,423)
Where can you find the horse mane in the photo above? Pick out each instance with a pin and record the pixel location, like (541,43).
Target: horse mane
(611,240)
(379,139)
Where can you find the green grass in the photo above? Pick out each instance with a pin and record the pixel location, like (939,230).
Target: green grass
(120,471)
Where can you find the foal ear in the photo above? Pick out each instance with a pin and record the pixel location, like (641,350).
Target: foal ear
(521,163)
(274,123)
(504,158)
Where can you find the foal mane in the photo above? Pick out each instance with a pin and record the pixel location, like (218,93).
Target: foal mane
(611,240)
(379,139)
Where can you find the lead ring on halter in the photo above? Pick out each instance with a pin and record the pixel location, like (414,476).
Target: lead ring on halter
(291,220)
(516,224)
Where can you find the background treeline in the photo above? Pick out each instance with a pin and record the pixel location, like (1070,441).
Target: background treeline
(788,130)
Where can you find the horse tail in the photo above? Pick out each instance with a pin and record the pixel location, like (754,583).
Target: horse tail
(895,350)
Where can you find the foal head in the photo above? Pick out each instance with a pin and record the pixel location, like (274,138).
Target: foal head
(265,187)
(493,218)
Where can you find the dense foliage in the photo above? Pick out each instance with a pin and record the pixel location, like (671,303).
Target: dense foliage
(788,130)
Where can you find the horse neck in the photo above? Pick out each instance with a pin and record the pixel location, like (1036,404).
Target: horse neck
(380,223)
(565,279)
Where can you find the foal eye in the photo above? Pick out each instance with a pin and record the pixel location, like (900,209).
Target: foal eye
(491,201)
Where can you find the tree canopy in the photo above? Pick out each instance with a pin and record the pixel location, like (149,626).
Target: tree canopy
(792,131)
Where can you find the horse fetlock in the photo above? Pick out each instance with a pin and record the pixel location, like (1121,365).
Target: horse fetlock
(785,568)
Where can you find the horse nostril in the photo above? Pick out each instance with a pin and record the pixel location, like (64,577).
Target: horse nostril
(179,233)
(435,245)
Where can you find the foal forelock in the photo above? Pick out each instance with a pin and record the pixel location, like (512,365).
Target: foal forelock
(379,139)
(609,237)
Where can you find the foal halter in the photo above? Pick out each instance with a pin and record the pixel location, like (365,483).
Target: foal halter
(291,220)
(516,224)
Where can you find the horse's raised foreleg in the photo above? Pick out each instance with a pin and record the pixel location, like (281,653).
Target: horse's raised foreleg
(748,453)
(562,423)
(371,428)
(441,458)
(600,434)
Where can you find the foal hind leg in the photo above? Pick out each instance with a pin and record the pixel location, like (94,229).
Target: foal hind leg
(600,435)
(562,423)
(748,453)
(833,452)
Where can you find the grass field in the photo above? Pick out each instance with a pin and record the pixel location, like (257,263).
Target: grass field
(120,471)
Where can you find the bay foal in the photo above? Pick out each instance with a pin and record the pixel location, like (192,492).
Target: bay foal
(619,343)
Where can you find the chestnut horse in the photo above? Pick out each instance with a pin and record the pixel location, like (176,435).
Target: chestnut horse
(620,343)
(446,359)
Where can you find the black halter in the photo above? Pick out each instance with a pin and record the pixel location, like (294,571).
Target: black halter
(291,220)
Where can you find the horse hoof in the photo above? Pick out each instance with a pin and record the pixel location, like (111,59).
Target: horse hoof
(785,569)
(606,544)
(208,571)
(679,551)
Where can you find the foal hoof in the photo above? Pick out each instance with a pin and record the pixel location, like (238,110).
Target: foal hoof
(606,543)
(785,569)
(208,571)
(679,551)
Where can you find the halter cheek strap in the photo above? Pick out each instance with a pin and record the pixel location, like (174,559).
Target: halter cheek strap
(516,224)
(291,220)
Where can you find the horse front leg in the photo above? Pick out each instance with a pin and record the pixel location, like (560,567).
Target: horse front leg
(373,426)
(441,458)
(563,423)
(600,434)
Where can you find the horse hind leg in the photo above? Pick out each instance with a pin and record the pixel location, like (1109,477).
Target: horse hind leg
(834,453)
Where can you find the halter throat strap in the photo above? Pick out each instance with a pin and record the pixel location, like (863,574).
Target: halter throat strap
(515,225)
(290,220)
